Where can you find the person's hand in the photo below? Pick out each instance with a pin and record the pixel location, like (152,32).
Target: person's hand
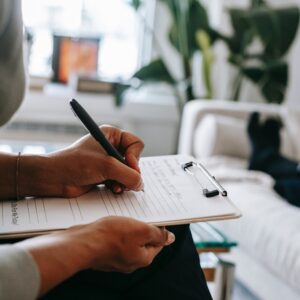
(120,244)
(73,171)
(110,244)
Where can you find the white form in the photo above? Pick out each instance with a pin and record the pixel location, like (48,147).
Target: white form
(171,196)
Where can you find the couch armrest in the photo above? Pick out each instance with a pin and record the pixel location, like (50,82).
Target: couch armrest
(195,110)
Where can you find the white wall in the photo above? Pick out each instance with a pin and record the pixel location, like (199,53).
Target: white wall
(293,95)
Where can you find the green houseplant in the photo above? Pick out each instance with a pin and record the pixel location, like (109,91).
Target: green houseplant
(188,32)
(274,30)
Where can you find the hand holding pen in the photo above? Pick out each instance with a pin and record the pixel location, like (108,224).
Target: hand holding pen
(121,145)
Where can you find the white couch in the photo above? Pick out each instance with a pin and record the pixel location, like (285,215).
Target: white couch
(268,255)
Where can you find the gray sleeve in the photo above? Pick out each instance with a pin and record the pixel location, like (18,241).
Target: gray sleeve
(12,75)
(19,276)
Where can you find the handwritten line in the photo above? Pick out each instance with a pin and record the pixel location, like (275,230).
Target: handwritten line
(46,218)
(36,211)
(74,218)
(2,213)
(29,215)
(76,199)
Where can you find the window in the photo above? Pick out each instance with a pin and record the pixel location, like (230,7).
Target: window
(115,21)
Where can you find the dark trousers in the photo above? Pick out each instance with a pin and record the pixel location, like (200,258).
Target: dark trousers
(286,173)
(174,274)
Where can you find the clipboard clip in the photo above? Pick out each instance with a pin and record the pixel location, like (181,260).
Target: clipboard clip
(206,192)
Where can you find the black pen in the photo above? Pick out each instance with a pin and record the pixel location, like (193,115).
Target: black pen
(95,131)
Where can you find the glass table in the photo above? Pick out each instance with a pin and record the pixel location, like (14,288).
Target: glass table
(210,243)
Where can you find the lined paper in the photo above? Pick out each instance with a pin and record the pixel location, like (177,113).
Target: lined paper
(171,196)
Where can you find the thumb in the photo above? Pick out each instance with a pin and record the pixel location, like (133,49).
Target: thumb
(159,237)
(164,238)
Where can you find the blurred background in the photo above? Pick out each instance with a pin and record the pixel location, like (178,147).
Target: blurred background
(135,64)
(184,75)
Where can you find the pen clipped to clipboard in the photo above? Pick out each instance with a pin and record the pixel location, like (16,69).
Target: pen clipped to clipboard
(215,189)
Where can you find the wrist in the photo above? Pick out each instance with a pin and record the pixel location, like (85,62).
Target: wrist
(88,244)
(36,176)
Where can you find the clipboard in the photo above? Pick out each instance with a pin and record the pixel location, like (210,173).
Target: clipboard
(178,190)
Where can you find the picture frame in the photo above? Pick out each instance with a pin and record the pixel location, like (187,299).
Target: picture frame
(74,55)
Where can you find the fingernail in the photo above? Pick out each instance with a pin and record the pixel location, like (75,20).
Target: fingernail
(171,238)
(117,189)
(140,187)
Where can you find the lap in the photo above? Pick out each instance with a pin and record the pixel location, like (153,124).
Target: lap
(174,274)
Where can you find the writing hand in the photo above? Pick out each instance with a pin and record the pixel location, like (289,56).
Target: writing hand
(74,170)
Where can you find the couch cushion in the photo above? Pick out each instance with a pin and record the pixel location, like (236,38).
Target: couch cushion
(269,229)
(221,135)
(225,135)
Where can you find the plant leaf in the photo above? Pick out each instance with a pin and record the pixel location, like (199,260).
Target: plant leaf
(257,3)
(155,71)
(197,19)
(289,24)
(272,79)
(267,27)
(179,34)
(135,3)
(243,31)
(208,58)
(276,28)
(119,90)
(254,73)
